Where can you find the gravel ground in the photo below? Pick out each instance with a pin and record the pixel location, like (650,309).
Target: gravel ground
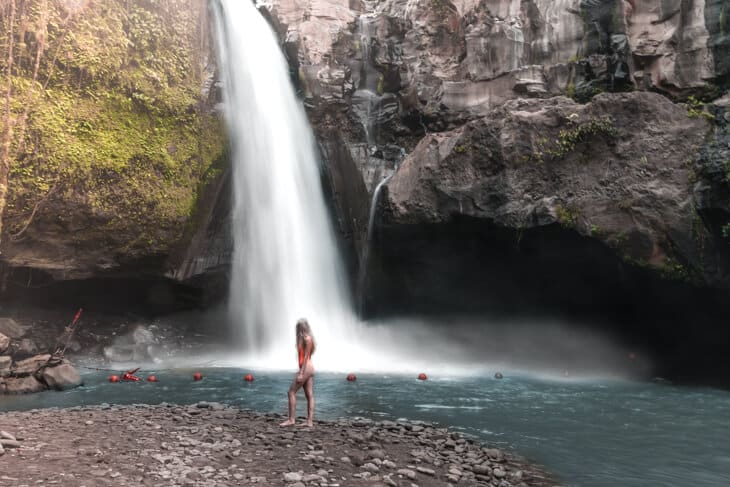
(209,444)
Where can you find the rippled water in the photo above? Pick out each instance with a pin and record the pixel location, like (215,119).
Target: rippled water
(588,434)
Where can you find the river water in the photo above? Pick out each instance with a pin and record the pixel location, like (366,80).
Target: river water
(588,433)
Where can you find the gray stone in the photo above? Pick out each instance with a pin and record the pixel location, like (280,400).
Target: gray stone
(7,436)
(376,453)
(9,443)
(5,363)
(407,472)
(4,342)
(292,477)
(22,385)
(499,473)
(25,348)
(30,365)
(63,376)
(426,471)
(11,328)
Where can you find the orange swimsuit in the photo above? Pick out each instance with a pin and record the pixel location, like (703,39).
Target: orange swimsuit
(300,349)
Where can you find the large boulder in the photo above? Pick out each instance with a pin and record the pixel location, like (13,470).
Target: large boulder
(30,365)
(5,363)
(60,377)
(4,342)
(21,385)
(24,348)
(617,170)
(11,328)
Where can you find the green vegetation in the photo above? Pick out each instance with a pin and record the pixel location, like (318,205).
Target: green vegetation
(570,91)
(726,230)
(567,217)
(673,270)
(569,139)
(114,119)
(381,82)
(596,230)
(696,109)
(722,20)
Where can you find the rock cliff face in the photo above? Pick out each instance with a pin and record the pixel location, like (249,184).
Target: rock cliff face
(114,146)
(537,155)
(412,84)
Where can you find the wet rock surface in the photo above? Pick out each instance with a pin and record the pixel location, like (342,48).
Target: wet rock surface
(209,444)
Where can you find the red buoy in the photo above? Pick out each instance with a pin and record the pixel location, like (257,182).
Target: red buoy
(152,378)
(351,378)
(197,376)
(422,376)
(113,378)
(248,377)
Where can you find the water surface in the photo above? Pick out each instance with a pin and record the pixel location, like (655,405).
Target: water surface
(588,434)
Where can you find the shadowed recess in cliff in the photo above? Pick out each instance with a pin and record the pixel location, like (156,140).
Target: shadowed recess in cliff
(547,273)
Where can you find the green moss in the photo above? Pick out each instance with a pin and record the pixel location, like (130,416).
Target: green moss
(567,217)
(696,109)
(118,130)
(381,82)
(673,270)
(722,20)
(570,91)
(725,230)
(569,139)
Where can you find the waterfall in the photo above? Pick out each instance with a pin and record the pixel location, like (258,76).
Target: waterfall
(286,263)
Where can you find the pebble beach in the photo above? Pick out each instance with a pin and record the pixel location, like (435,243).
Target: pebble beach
(211,444)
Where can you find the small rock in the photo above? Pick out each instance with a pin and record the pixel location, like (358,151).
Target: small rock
(292,477)
(482,469)
(7,436)
(4,342)
(376,453)
(9,443)
(406,472)
(371,467)
(11,328)
(425,470)
(499,473)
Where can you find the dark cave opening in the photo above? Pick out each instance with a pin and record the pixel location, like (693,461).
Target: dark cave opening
(473,266)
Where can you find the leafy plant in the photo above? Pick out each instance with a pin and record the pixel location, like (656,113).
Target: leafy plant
(566,217)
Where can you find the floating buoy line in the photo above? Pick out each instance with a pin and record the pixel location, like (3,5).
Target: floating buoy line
(198,376)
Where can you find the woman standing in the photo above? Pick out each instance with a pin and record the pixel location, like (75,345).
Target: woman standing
(305,376)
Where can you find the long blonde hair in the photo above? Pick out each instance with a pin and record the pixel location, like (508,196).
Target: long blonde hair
(303,329)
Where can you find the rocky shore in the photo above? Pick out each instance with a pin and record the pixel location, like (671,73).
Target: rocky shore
(210,444)
(24,370)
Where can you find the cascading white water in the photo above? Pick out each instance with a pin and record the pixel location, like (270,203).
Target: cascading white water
(286,264)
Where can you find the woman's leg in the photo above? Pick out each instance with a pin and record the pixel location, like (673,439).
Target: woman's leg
(292,402)
(309,393)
